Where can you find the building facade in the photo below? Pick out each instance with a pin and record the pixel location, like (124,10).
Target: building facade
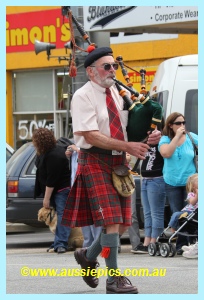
(38,87)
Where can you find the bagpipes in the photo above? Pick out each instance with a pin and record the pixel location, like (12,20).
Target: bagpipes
(144,113)
(143,116)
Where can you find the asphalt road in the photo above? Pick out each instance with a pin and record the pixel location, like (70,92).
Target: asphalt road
(26,255)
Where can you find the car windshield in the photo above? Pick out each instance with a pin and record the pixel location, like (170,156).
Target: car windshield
(9,152)
(162,98)
(16,156)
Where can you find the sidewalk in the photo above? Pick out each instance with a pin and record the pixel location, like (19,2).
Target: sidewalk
(20,227)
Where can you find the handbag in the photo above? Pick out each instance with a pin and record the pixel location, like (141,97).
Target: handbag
(195,147)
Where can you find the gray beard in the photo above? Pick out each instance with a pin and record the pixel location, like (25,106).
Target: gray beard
(106,83)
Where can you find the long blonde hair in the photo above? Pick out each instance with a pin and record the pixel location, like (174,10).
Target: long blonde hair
(190,182)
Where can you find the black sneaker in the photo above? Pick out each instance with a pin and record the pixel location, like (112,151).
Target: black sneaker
(140,249)
(179,252)
(61,250)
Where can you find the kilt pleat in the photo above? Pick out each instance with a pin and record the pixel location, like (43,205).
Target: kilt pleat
(93,199)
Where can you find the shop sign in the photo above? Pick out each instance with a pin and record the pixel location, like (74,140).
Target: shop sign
(123,17)
(26,127)
(135,79)
(23,29)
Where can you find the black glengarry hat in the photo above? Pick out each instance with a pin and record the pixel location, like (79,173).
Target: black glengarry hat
(96,54)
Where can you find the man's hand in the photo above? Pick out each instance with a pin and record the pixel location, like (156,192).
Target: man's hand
(137,149)
(99,140)
(154,137)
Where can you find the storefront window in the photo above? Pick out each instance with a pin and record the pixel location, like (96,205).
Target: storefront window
(33,91)
(64,90)
(41,99)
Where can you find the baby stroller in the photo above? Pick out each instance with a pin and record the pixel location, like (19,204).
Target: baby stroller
(164,245)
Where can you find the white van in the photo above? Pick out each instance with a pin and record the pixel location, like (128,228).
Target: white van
(175,87)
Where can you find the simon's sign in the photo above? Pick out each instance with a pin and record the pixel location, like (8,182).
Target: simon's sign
(46,26)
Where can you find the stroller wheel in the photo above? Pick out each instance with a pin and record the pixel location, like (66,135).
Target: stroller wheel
(152,249)
(158,249)
(172,250)
(164,250)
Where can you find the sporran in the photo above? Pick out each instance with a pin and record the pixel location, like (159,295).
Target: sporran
(123,180)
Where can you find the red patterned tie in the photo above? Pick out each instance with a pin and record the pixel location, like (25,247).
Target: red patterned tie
(114,120)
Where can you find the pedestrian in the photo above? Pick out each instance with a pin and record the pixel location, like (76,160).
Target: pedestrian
(178,152)
(99,127)
(53,177)
(133,229)
(90,234)
(153,196)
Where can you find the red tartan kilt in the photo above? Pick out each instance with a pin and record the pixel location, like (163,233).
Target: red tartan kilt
(93,199)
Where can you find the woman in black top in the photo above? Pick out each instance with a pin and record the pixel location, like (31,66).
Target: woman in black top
(53,181)
(153,196)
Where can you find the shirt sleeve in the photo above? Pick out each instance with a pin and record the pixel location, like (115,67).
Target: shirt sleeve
(83,114)
(164,140)
(191,194)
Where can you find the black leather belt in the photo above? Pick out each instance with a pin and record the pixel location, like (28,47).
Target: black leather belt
(96,150)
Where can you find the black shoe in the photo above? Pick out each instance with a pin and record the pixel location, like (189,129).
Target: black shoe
(180,252)
(80,256)
(120,285)
(140,249)
(61,250)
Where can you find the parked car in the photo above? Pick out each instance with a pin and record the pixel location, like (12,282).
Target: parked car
(9,151)
(20,180)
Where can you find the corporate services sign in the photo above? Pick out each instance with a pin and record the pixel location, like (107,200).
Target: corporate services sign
(110,18)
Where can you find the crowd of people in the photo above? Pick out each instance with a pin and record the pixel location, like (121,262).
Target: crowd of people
(91,201)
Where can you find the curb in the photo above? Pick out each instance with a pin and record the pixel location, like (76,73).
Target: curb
(20,227)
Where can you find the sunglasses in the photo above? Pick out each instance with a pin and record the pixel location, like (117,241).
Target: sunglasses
(107,67)
(179,123)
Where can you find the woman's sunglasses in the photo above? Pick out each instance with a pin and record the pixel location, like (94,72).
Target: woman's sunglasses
(107,67)
(179,123)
